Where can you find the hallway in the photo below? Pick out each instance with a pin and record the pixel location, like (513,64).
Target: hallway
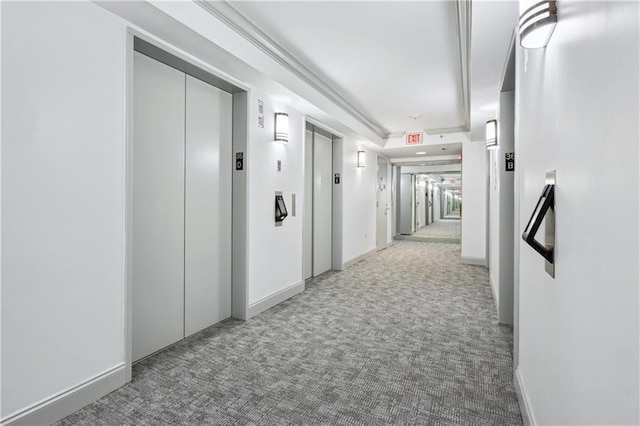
(391,340)
(444,228)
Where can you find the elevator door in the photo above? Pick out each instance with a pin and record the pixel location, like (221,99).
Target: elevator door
(207,279)
(158,206)
(181,206)
(322,205)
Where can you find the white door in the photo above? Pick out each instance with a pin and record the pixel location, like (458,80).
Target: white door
(322,209)
(158,206)
(382,190)
(207,280)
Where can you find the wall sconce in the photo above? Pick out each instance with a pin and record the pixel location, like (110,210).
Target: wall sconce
(282,127)
(537,22)
(361,159)
(491,134)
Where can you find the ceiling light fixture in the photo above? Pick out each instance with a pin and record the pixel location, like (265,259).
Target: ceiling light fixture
(537,21)
(420,153)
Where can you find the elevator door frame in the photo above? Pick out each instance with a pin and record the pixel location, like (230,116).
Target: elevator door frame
(336,200)
(138,42)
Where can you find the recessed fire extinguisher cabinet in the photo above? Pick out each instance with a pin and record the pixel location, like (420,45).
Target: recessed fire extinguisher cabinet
(280,209)
(544,212)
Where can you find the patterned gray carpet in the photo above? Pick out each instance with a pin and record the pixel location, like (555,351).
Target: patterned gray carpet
(408,336)
(440,229)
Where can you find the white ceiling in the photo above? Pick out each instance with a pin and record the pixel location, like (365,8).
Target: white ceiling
(379,54)
(388,60)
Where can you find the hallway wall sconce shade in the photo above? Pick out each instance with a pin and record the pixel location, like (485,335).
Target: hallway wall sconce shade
(282,127)
(361,159)
(491,134)
(537,21)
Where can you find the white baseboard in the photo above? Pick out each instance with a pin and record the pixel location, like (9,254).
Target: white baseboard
(357,259)
(474,260)
(387,245)
(523,400)
(60,405)
(270,301)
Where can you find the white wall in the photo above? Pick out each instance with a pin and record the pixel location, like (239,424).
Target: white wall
(63,161)
(389,200)
(578,115)
(63,190)
(474,202)
(494,224)
(359,201)
(437,194)
(501,223)
(421,201)
(275,261)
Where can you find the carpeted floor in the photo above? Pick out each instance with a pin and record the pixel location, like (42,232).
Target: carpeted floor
(440,229)
(453,215)
(408,336)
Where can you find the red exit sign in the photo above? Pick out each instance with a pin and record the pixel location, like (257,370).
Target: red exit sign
(414,138)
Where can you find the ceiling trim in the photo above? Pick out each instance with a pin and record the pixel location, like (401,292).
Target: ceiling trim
(235,20)
(463,21)
(447,130)
(422,159)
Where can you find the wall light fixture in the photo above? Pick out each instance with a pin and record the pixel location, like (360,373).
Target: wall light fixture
(491,134)
(361,159)
(537,22)
(282,127)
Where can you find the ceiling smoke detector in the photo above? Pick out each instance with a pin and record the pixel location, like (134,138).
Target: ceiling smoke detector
(415,116)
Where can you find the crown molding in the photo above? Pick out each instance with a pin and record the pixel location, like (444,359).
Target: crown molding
(446,130)
(396,135)
(463,21)
(235,20)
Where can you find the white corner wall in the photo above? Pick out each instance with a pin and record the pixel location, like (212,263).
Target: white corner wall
(389,199)
(275,260)
(63,168)
(474,203)
(578,114)
(501,222)
(359,201)
(494,224)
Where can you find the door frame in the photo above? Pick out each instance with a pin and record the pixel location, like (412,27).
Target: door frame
(336,195)
(384,162)
(137,41)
